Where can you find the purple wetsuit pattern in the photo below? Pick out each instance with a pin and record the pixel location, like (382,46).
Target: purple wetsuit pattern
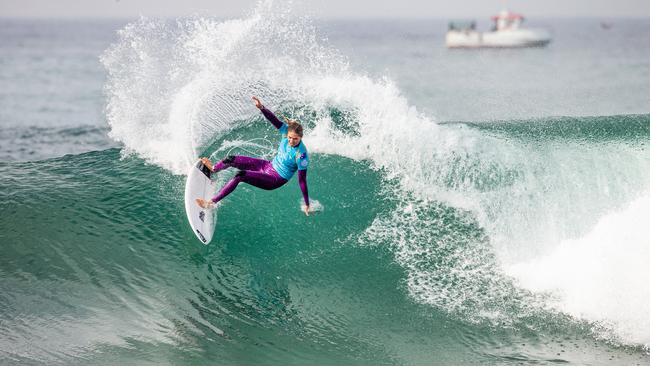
(256,172)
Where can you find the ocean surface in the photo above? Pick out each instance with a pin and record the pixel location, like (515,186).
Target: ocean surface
(476,207)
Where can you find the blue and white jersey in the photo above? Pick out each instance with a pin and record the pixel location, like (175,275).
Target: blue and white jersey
(289,159)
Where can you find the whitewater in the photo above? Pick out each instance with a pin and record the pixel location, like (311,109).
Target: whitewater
(493,241)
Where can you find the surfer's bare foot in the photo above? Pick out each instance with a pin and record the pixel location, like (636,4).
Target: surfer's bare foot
(204,204)
(207,163)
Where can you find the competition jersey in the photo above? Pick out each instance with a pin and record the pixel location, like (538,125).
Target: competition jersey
(289,159)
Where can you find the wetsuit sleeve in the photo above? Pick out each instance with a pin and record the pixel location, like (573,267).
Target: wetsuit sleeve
(302,181)
(302,161)
(272,118)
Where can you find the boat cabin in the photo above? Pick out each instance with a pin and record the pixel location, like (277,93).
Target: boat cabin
(507,21)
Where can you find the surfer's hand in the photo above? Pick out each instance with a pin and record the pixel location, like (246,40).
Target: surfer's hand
(207,163)
(257,102)
(305,209)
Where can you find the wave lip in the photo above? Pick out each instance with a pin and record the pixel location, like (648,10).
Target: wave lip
(175,87)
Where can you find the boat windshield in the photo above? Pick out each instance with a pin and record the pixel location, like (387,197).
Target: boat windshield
(462,26)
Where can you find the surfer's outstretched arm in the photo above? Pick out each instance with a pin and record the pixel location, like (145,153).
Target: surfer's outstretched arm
(302,182)
(267,113)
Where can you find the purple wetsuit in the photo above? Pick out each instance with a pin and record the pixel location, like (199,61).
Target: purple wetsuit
(257,172)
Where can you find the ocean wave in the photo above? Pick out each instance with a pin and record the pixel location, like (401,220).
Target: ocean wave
(35,143)
(469,199)
(633,128)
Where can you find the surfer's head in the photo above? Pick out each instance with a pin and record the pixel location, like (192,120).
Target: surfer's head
(294,132)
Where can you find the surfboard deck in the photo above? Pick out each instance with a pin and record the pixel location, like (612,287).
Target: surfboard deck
(199,185)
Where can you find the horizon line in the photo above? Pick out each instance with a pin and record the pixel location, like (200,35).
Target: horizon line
(326,18)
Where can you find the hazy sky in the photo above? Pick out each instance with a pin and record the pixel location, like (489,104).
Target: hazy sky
(324,8)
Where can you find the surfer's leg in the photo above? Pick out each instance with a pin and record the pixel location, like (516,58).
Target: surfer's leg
(256,179)
(223,164)
(262,180)
(241,162)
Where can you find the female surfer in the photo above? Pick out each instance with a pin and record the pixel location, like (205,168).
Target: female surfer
(269,175)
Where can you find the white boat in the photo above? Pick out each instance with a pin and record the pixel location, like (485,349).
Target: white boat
(507,32)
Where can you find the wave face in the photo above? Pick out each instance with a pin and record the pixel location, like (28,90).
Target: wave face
(98,260)
(481,242)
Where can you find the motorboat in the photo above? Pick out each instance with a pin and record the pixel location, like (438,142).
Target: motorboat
(507,32)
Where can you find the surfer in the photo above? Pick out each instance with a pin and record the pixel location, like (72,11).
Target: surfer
(265,174)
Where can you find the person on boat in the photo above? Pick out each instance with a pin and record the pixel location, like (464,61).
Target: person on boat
(291,157)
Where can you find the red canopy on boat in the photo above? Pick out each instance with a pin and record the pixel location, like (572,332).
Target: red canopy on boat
(509,16)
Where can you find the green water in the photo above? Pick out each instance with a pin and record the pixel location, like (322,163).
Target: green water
(99,266)
(478,208)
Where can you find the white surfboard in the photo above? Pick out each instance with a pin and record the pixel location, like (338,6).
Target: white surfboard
(199,185)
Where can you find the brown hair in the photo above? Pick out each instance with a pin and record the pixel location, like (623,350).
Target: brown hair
(294,126)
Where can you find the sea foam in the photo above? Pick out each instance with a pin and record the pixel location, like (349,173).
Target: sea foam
(603,276)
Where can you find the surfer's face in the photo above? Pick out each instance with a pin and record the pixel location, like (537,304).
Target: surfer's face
(294,138)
